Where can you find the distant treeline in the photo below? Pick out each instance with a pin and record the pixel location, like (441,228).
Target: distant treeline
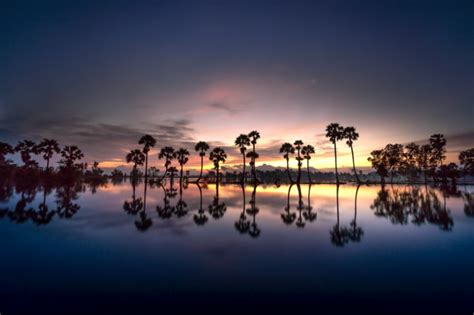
(411,162)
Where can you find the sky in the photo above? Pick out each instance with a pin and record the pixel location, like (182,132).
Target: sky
(99,74)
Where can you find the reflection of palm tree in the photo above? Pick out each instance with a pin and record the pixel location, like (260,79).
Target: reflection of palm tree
(288,217)
(134,206)
(334,132)
(44,215)
(308,214)
(47,147)
(200,218)
(307,150)
(287,149)
(66,194)
(338,235)
(148,142)
(356,232)
(242,225)
(243,141)
(254,136)
(298,145)
(26,149)
(181,205)
(201,147)
(468,204)
(254,230)
(168,154)
(299,222)
(351,135)
(137,158)
(182,157)
(143,223)
(216,209)
(166,211)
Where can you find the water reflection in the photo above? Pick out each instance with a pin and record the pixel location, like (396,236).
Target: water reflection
(40,203)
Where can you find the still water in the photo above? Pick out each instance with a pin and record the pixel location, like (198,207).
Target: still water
(83,249)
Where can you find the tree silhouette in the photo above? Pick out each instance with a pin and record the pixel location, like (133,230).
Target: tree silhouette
(335,133)
(466,160)
(182,155)
(438,152)
(137,158)
(307,150)
(298,145)
(217,209)
(351,135)
(308,214)
(254,136)
(287,148)
(168,154)
(5,149)
(148,142)
(135,206)
(47,147)
(394,158)
(202,148)
(217,156)
(299,221)
(243,141)
(339,235)
(26,149)
(69,155)
(379,163)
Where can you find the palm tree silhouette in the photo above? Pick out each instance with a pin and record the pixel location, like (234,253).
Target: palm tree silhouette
(5,149)
(217,209)
(307,150)
(288,217)
(298,145)
(351,135)
(334,132)
(134,206)
(339,236)
(242,225)
(254,136)
(182,157)
(217,156)
(148,142)
(70,154)
(47,147)
(26,149)
(168,154)
(200,218)
(201,147)
(137,158)
(288,149)
(243,141)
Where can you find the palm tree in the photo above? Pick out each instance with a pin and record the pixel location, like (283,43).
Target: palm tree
(26,148)
(288,217)
(201,147)
(254,230)
(334,132)
(298,145)
(307,150)
(242,142)
(5,149)
(242,225)
(288,149)
(356,231)
(70,154)
(200,218)
(254,136)
(182,157)
(168,154)
(48,147)
(137,158)
(351,135)
(148,142)
(217,156)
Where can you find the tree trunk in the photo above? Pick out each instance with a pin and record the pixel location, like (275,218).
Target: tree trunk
(309,174)
(181,176)
(217,181)
(354,166)
(47,165)
(146,166)
(288,169)
(298,179)
(335,159)
(202,165)
(243,171)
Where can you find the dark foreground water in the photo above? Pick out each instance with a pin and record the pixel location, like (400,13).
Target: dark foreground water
(82,250)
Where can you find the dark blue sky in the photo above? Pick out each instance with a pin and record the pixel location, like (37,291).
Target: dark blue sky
(403,68)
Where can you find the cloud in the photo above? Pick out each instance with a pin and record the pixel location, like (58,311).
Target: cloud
(224,107)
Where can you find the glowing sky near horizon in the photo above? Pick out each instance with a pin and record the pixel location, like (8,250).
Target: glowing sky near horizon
(99,74)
